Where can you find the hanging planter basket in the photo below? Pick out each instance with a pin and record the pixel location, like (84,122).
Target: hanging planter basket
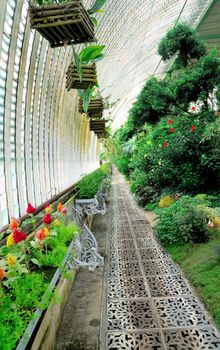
(89,77)
(95,109)
(62,24)
(98,126)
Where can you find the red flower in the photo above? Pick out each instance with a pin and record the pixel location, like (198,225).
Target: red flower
(172,130)
(47,219)
(30,209)
(193,128)
(170,121)
(19,236)
(193,108)
(165,144)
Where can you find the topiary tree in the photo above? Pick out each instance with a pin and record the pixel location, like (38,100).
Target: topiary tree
(183,42)
(198,81)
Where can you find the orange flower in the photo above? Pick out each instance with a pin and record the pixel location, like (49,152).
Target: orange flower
(42,233)
(60,206)
(14,223)
(2,273)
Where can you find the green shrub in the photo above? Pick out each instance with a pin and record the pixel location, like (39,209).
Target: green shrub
(183,41)
(182,222)
(89,185)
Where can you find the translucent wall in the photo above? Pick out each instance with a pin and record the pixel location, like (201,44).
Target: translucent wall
(45,145)
(131,30)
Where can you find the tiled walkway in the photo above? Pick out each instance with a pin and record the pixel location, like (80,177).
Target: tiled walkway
(149,304)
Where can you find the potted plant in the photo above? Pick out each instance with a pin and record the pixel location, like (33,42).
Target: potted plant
(95,107)
(64,22)
(81,73)
(32,268)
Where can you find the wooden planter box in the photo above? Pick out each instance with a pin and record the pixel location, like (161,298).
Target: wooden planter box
(98,126)
(42,329)
(62,24)
(95,107)
(89,77)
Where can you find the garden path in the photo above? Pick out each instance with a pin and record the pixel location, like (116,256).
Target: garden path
(149,304)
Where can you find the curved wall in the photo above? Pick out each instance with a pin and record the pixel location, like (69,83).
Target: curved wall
(45,144)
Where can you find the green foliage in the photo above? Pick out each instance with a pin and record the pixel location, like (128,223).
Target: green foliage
(96,6)
(183,41)
(55,248)
(198,81)
(89,185)
(22,294)
(188,164)
(18,305)
(182,222)
(202,268)
(92,53)
(154,101)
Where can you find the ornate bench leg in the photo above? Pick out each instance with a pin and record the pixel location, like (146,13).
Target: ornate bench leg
(86,248)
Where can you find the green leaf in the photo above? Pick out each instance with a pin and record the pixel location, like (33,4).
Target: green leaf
(80,93)
(36,262)
(34,244)
(9,281)
(94,20)
(86,99)
(91,53)
(96,6)
(78,63)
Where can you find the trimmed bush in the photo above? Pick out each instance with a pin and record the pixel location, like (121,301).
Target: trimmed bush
(182,222)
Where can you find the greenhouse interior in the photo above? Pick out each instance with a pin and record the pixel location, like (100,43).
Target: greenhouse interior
(110,175)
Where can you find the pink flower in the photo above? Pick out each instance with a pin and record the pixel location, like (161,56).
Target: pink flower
(64,210)
(193,128)
(176,196)
(170,121)
(47,219)
(30,209)
(172,130)
(19,236)
(193,108)
(210,224)
(165,144)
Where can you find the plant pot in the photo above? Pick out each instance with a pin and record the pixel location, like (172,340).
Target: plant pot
(42,329)
(98,126)
(95,109)
(62,24)
(89,77)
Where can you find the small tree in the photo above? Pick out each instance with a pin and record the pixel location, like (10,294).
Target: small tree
(183,42)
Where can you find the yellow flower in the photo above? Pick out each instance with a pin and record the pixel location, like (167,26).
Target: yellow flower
(10,240)
(46,232)
(56,222)
(49,209)
(11,260)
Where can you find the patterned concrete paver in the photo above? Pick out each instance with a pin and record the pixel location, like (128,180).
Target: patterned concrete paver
(149,303)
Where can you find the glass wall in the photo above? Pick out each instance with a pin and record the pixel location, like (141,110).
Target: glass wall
(41,152)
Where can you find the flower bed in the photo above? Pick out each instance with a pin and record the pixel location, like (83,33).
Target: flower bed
(27,266)
(89,185)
